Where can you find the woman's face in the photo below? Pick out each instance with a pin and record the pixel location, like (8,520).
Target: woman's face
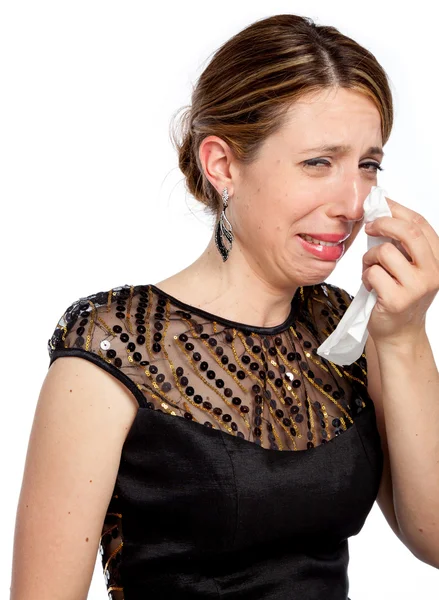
(280,195)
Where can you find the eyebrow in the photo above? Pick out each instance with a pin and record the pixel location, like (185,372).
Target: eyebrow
(344,149)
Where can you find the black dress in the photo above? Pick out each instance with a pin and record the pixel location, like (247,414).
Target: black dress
(251,459)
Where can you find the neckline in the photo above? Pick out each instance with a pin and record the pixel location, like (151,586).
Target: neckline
(294,308)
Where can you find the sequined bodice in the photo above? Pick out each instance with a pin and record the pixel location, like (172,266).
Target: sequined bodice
(267,386)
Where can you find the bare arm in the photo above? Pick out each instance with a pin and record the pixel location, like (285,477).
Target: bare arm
(410,393)
(81,421)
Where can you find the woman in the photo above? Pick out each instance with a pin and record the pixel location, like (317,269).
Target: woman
(202,445)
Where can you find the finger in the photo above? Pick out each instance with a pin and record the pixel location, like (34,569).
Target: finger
(409,235)
(384,285)
(406,214)
(392,261)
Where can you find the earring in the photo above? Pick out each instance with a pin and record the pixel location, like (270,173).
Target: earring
(223,232)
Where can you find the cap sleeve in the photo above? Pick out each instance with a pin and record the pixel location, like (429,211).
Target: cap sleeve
(93,328)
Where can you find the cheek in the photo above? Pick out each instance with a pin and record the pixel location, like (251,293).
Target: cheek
(248,221)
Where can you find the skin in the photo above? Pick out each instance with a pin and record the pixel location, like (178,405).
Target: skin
(278,197)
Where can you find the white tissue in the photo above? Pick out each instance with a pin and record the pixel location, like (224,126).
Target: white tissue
(346,343)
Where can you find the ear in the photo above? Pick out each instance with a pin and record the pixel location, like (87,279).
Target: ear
(215,157)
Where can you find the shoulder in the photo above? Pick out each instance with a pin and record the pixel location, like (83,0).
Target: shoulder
(87,320)
(106,328)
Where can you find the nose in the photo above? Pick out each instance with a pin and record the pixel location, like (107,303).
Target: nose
(351,202)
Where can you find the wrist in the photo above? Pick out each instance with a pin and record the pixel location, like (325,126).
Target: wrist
(409,346)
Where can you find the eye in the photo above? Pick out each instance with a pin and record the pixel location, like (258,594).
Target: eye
(376,166)
(313,163)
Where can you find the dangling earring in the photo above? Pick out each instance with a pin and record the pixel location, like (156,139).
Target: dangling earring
(223,232)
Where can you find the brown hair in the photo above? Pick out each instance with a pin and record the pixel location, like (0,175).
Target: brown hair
(252,80)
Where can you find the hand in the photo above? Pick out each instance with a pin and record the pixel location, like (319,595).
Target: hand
(405,285)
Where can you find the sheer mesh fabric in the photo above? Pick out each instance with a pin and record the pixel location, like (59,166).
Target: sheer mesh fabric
(265,385)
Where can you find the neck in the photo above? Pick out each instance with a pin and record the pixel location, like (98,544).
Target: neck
(234,289)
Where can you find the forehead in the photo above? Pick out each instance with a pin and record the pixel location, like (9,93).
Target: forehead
(333,117)
(331,101)
(332,104)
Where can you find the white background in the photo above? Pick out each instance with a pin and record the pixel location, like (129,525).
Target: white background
(92,197)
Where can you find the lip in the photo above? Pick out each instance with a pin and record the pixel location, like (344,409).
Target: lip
(328,237)
(331,253)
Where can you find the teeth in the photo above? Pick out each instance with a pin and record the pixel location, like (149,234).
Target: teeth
(308,238)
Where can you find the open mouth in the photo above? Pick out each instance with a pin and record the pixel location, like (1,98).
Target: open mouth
(312,240)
